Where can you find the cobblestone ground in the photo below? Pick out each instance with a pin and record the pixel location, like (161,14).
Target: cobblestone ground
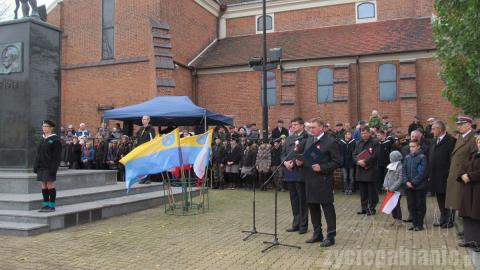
(153,240)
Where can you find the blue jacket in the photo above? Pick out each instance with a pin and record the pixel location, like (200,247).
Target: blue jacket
(415,169)
(89,155)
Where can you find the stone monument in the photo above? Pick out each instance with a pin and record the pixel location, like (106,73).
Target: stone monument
(29,87)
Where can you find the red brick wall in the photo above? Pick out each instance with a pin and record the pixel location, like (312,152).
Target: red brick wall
(237,94)
(124,84)
(429,87)
(332,15)
(118,85)
(315,17)
(241,26)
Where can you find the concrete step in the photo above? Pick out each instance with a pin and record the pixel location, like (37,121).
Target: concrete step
(87,212)
(22,229)
(12,201)
(26,183)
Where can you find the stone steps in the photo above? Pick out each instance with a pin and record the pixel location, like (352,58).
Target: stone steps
(26,183)
(22,229)
(13,201)
(25,223)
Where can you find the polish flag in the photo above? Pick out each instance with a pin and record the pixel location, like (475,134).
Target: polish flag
(202,160)
(390,201)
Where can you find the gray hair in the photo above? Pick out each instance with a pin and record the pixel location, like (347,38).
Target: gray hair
(440,125)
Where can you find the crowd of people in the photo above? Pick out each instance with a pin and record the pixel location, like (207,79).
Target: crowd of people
(372,157)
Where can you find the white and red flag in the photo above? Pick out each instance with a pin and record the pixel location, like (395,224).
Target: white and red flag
(390,201)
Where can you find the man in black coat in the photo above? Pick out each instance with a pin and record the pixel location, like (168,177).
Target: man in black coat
(365,157)
(145,134)
(279,131)
(319,180)
(441,150)
(294,145)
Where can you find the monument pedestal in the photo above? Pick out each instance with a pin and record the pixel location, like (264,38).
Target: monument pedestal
(29,87)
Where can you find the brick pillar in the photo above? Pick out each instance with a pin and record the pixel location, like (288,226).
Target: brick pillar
(289,107)
(164,66)
(341,78)
(407,87)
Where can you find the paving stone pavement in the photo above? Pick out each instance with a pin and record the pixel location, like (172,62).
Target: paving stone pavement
(153,240)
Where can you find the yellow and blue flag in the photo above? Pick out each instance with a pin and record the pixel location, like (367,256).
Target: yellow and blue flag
(192,146)
(158,155)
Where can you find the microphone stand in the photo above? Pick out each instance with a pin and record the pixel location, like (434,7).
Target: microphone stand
(275,241)
(254,228)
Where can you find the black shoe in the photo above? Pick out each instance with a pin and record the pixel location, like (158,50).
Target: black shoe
(371,212)
(411,228)
(460,234)
(314,240)
(436,224)
(466,244)
(293,229)
(302,231)
(447,225)
(327,243)
(362,212)
(408,220)
(44,209)
(50,209)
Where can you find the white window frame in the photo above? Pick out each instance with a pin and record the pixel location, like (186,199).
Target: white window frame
(261,31)
(374,19)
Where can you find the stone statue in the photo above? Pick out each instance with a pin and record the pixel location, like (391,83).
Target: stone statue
(26,4)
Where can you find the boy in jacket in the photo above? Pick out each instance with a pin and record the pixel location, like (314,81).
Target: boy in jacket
(414,170)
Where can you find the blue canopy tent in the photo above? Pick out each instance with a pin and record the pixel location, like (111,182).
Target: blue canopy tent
(168,110)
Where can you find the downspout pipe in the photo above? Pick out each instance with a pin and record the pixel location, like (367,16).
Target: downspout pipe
(357,83)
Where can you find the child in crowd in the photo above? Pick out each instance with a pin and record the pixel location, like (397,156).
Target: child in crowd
(414,168)
(394,182)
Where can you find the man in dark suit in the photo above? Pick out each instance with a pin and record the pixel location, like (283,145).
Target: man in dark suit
(293,179)
(318,175)
(365,157)
(279,131)
(441,150)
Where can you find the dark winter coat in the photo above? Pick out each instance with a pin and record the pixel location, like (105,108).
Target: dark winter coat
(49,153)
(218,154)
(383,150)
(290,151)
(276,133)
(415,170)
(347,149)
(319,185)
(145,134)
(470,192)
(369,172)
(234,155)
(439,163)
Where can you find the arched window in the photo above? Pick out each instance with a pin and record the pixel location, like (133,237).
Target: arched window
(260,23)
(324,85)
(387,81)
(366,10)
(271,89)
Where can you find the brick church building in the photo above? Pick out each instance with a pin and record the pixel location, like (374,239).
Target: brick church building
(341,58)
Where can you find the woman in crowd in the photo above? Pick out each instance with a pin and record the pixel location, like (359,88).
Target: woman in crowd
(88,155)
(263,162)
(247,172)
(74,154)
